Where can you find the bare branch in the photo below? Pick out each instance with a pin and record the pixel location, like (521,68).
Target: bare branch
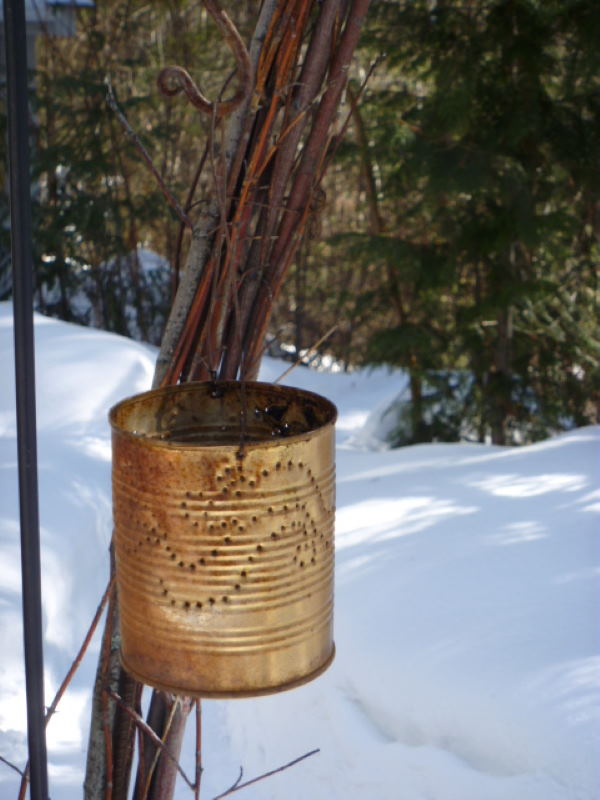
(112,103)
(202,234)
(237,785)
(145,783)
(68,677)
(99,772)
(198,775)
(234,785)
(108,749)
(82,650)
(171,733)
(188,206)
(8,763)
(309,353)
(175,80)
(304,182)
(150,733)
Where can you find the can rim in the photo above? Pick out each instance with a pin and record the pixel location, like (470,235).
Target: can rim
(149,441)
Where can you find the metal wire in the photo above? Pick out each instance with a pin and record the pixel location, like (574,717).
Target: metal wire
(20,207)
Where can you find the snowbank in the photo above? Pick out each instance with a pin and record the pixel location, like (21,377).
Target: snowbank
(467,622)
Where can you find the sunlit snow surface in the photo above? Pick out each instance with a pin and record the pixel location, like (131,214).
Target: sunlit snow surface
(467,614)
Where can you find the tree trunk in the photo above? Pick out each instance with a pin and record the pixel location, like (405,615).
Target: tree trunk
(416,408)
(500,379)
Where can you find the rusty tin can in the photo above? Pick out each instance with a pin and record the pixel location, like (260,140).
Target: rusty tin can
(223,500)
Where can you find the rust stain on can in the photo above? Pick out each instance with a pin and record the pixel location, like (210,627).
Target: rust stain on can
(224,503)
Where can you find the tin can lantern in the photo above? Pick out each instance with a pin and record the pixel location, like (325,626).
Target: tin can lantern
(223,500)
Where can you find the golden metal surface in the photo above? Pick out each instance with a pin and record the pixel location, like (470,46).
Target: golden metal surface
(223,499)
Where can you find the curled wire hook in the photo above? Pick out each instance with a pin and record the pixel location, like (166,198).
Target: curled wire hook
(174,80)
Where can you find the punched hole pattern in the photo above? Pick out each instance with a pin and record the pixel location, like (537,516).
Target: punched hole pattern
(304,524)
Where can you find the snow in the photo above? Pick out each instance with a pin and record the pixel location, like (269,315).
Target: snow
(467,622)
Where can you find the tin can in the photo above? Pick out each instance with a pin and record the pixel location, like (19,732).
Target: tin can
(224,505)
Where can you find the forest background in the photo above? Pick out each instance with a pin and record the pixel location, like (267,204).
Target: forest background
(456,234)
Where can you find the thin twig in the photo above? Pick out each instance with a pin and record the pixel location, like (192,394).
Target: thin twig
(174,80)
(353,100)
(291,225)
(308,353)
(68,677)
(112,103)
(237,133)
(24,784)
(141,776)
(150,733)
(12,766)
(82,650)
(188,206)
(198,775)
(260,155)
(106,730)
(237,785)
(165,732)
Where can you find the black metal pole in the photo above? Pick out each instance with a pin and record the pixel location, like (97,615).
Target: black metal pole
(22,271)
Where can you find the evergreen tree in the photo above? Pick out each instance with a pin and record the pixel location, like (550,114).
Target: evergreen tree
(484,137)
(94,203)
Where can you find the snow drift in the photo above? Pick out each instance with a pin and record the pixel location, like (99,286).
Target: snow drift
(468,655)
